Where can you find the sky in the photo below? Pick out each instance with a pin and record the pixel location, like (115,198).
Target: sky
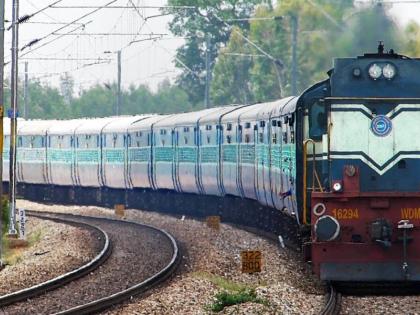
(82,54)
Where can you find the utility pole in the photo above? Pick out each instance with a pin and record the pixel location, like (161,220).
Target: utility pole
(208,73)
(118,107)
(26,92)
(294,22)
(13,116)
(1,123)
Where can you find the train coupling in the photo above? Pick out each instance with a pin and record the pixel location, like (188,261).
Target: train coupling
(405,226)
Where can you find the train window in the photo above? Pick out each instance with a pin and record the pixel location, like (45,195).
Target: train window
(317,121)
(163,143)
(185,140)
(247,125)
(208,127)
(97,141)
(292,136)
(229,139)
(274,138)
(20,143)
(247,139)
(208,139)
(274,123)
(163,131)
(229,127)
(261,137)
(42,142)
(262,123)
(186,129)
(279,123)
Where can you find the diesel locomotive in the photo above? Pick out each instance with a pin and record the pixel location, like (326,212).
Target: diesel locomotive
(341,161)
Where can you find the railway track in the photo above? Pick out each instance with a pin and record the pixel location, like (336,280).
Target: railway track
(127,272)
(61,280)
(333,305)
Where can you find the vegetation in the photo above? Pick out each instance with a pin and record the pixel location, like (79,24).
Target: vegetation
(231,293)
(226,31)
(224,299)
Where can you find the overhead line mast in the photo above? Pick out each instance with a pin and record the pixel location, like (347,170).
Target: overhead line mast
(1,122)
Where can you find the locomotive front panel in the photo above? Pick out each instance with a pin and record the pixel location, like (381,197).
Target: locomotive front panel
(366,219)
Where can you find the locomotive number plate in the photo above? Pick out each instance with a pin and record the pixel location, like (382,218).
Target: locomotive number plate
(410,213)
(346,214)
(251,261)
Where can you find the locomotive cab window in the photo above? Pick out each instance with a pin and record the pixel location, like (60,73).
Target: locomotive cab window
(317,121)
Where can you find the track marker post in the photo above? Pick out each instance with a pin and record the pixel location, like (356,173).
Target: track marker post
(119,210)
(213,222)
(251,261)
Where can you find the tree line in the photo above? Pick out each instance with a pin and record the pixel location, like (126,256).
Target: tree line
(248,45)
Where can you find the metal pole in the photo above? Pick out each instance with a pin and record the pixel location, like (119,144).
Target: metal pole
(294,21)
(208,73)
(278,66)
(118,107)
(13,122)
(1,122)
(26,92)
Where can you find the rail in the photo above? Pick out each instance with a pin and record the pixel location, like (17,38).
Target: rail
(333,305)
(61,280)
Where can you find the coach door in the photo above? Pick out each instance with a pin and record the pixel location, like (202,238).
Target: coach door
(315,151)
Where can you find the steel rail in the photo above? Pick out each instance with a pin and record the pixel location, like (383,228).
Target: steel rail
(333,305)
(137,289)
(63,279)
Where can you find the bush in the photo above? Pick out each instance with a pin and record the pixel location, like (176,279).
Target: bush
(224,299)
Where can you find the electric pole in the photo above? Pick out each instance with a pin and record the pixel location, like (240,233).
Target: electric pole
(294,22)
(26,92)
(1,123)
(208,73)
(118,107)
(13,117)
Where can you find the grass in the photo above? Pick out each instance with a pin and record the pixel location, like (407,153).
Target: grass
(224,299)
(12,256)
(232,293)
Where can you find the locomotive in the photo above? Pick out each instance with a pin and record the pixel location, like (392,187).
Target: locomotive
(340,161)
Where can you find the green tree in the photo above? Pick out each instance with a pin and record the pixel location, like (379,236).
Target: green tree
(231,73)
(205,19)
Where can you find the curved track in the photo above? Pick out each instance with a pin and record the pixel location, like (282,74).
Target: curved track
(127,272)
(60,281)
(333,305)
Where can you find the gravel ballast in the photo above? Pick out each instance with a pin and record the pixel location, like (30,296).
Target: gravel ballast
(54,249)
(138,253)
(211,257)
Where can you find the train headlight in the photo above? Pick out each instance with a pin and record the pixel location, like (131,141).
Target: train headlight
(337,187)
(375,71)
(389,71)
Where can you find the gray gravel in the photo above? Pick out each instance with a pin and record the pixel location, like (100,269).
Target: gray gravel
(395,305)
(138,253)
(286,282)
(54,249)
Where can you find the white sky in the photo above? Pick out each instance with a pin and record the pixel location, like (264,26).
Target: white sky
(147,62)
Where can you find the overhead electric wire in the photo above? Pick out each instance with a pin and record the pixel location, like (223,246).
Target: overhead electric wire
(181,7)
(69,24)
(26,17)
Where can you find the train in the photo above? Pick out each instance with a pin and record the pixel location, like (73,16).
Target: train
(339,163)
